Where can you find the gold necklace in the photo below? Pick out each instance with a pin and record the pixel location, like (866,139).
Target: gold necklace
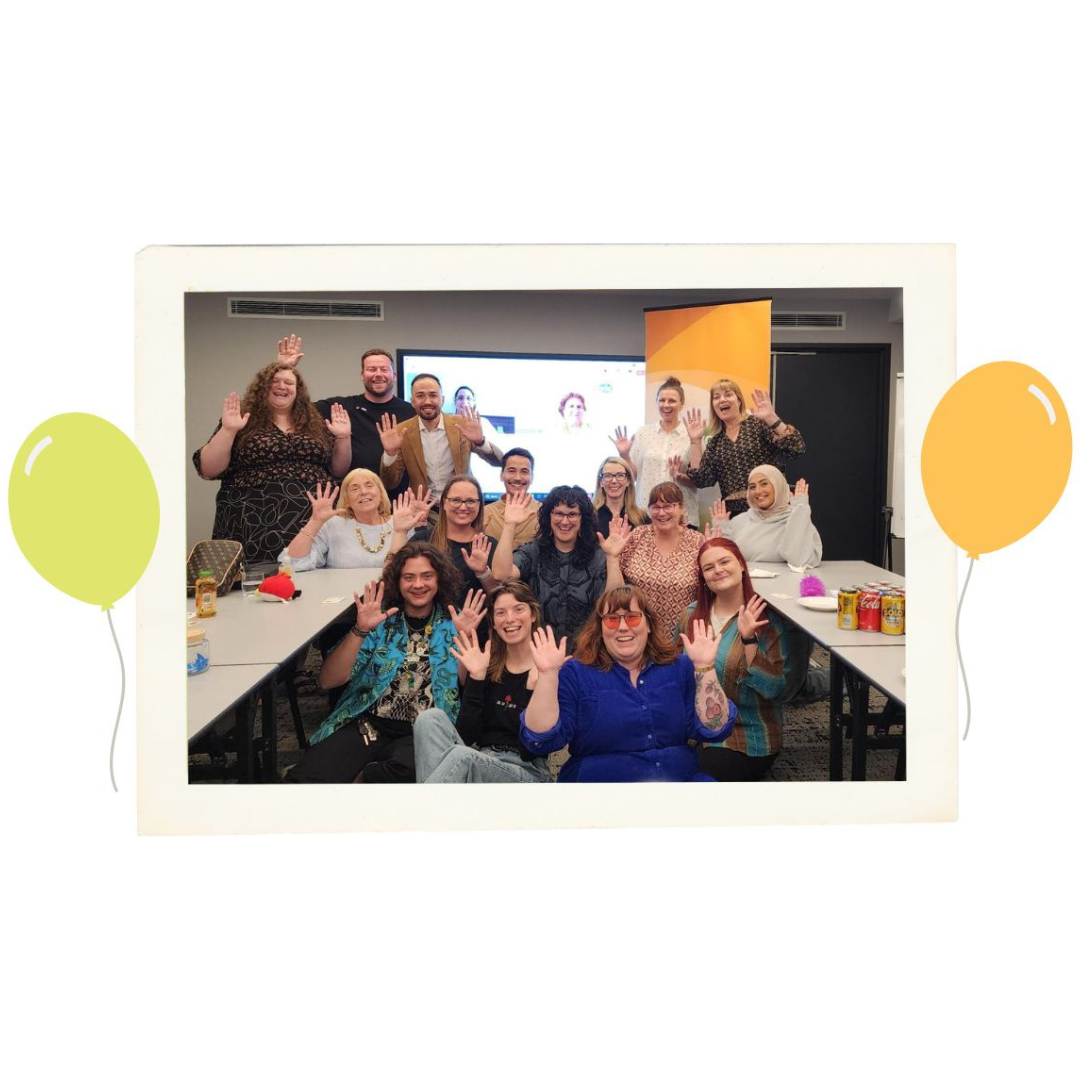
(363,543)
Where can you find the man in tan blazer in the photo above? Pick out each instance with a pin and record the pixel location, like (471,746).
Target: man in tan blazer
(433,445)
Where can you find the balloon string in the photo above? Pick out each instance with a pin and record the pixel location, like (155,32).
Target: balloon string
(120,708)
(960,655)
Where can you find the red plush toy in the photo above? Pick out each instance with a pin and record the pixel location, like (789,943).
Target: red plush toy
(279,585)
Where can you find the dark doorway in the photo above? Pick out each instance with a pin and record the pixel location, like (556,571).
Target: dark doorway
(838,397)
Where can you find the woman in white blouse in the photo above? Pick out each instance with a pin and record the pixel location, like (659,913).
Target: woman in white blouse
(650,452)
(357,532)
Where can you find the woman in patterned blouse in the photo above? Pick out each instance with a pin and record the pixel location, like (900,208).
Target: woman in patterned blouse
(737,441)
(268,451)
(660,559)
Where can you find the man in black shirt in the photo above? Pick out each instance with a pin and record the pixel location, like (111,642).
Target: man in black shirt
(366,409)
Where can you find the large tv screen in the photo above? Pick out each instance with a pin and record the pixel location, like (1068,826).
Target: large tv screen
(561,408)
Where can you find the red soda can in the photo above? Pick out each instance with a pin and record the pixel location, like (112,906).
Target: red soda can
(870,610)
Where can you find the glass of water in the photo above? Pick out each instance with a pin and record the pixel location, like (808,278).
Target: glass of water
(251,582)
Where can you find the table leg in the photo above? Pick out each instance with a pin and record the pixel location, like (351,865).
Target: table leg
(269,728)
(836,719)
(860,711)
(245,740)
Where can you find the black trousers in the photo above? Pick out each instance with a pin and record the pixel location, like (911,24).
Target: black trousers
(731,765)
(344,757)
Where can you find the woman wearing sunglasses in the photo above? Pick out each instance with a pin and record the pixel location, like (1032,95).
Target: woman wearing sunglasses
(615,496)
(627,705)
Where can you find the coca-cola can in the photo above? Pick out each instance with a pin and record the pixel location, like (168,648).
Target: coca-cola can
(870,610)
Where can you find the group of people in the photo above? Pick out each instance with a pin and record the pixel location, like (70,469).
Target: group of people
(610,625)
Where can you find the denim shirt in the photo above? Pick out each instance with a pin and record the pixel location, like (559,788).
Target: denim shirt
(618,732)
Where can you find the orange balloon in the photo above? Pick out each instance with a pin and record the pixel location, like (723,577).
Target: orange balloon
(996,455)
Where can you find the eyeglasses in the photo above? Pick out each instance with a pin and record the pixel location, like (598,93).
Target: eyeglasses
(472,504)
(631,618)
(566,515)
(614,476)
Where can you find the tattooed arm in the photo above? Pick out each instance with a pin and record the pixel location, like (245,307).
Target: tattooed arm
(715,714)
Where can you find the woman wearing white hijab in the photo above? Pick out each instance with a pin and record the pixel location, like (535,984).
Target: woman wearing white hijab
(777,526)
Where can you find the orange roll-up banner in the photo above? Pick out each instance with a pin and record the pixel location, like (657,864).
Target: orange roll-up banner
(703,343)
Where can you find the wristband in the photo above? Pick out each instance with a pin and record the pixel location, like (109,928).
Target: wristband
(748,640)
(361,634)
(485,575)
(773,427)
(702,670)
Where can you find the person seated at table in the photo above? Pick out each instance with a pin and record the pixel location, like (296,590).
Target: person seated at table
(485,745)
(458,532)
(357,531)
(659,558)
(395,662)
(751,662)
(516,476)
(564,566)
(615,496)
(627,704)
(777,527)
(268,451)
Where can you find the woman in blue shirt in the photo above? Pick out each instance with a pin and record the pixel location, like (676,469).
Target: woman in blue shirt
(627,705)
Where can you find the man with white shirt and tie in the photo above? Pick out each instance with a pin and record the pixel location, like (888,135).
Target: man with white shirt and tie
(433,445)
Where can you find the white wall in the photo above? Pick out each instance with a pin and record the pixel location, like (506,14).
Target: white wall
(224,353)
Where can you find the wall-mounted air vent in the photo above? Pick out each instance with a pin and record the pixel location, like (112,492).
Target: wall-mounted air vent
(808,320)
(367,310)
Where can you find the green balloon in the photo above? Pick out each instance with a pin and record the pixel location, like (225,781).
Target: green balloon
(84,507)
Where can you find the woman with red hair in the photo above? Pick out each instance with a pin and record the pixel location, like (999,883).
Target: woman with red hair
(751,662)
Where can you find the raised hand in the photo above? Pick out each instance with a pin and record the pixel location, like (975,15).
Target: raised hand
(622,443)
(548,656)
(467,652)
(719,511)
(762,407)
(675,469)
(322,504)
(389,435)
(410,511)
(288,351)
(802,488)
(471,613)
(752,617)
(231,418)
(369,611)
(695,424)
(476,556)
(618,533)
(702,650)
(339,425)
(519,508)
(471,427)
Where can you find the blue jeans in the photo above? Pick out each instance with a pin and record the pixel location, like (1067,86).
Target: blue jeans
(442,758)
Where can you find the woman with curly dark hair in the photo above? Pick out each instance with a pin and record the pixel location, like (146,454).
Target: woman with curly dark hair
(564,566)
(268,451)
(396,661)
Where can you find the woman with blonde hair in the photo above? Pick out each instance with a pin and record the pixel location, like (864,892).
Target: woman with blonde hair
(736,440)
(353,532)
(615,496)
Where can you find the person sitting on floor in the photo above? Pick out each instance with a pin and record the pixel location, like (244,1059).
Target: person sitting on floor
(397,663)
(485,746)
